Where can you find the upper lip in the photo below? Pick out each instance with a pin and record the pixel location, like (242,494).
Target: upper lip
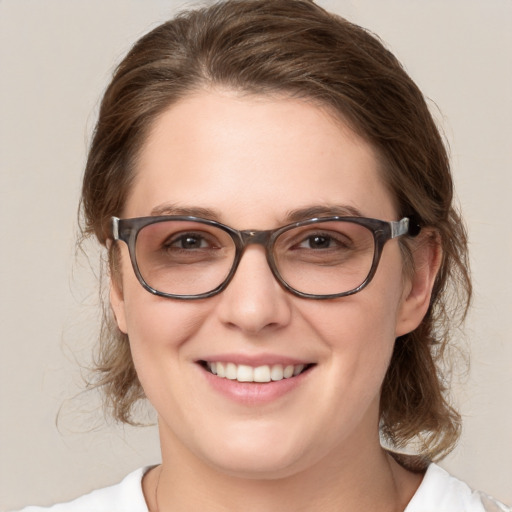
(255,360)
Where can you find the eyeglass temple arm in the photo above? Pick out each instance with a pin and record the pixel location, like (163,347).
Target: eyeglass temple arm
(405,226)
(115,228)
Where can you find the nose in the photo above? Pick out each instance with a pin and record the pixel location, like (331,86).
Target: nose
(254,301)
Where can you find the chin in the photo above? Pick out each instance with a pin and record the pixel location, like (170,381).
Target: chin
(266,454)
(257,467)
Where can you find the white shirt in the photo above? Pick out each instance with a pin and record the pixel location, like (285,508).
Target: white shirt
(438,492)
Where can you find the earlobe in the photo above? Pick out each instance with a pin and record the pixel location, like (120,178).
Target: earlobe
(117,305)
(427,257)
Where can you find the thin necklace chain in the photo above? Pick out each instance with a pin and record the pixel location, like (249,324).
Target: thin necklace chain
(157,509)
(156,490)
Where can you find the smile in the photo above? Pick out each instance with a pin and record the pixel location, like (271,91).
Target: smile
(246,373)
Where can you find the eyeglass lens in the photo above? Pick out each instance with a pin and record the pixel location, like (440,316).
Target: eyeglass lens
(191,258)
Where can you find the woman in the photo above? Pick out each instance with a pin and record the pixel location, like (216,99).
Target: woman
(276,202)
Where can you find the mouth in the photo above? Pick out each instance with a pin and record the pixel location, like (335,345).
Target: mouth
(257,374)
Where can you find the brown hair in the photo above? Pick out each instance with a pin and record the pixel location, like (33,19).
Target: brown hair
(296,48)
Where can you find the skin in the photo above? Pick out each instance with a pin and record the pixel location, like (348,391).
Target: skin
(252,160)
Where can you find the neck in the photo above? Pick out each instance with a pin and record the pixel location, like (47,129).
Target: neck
(348,480)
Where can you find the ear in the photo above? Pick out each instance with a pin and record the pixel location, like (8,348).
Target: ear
(426,259)
(116,296)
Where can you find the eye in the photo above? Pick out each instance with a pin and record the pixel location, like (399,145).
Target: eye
(323,241)
(318,241)
(188,241)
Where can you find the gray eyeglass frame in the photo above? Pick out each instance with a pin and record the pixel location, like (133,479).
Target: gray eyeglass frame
(127,231)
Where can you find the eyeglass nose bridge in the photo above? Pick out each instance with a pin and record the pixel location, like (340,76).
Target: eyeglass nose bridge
(267,239)
(255,237)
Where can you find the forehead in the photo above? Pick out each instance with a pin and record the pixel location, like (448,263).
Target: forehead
(249,156)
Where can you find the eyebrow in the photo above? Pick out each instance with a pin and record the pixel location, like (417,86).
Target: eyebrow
(313,211)
(192,211)
(296,215)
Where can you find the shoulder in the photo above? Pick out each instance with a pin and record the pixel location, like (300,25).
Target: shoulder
(126,496)
(441,492)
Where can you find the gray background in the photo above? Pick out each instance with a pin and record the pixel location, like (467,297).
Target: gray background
(55,59)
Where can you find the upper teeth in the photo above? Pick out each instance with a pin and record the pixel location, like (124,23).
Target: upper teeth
(245,373)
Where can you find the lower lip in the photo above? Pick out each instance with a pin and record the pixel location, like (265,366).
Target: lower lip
(254,393)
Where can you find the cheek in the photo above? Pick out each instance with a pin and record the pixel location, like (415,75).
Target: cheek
(151,322)
(359,330)
(364,320)
(155,324)
(157,330)
(359,335)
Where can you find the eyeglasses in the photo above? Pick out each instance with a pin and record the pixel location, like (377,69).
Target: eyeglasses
(185,257)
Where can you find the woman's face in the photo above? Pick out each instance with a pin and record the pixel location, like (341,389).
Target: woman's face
(249,162)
